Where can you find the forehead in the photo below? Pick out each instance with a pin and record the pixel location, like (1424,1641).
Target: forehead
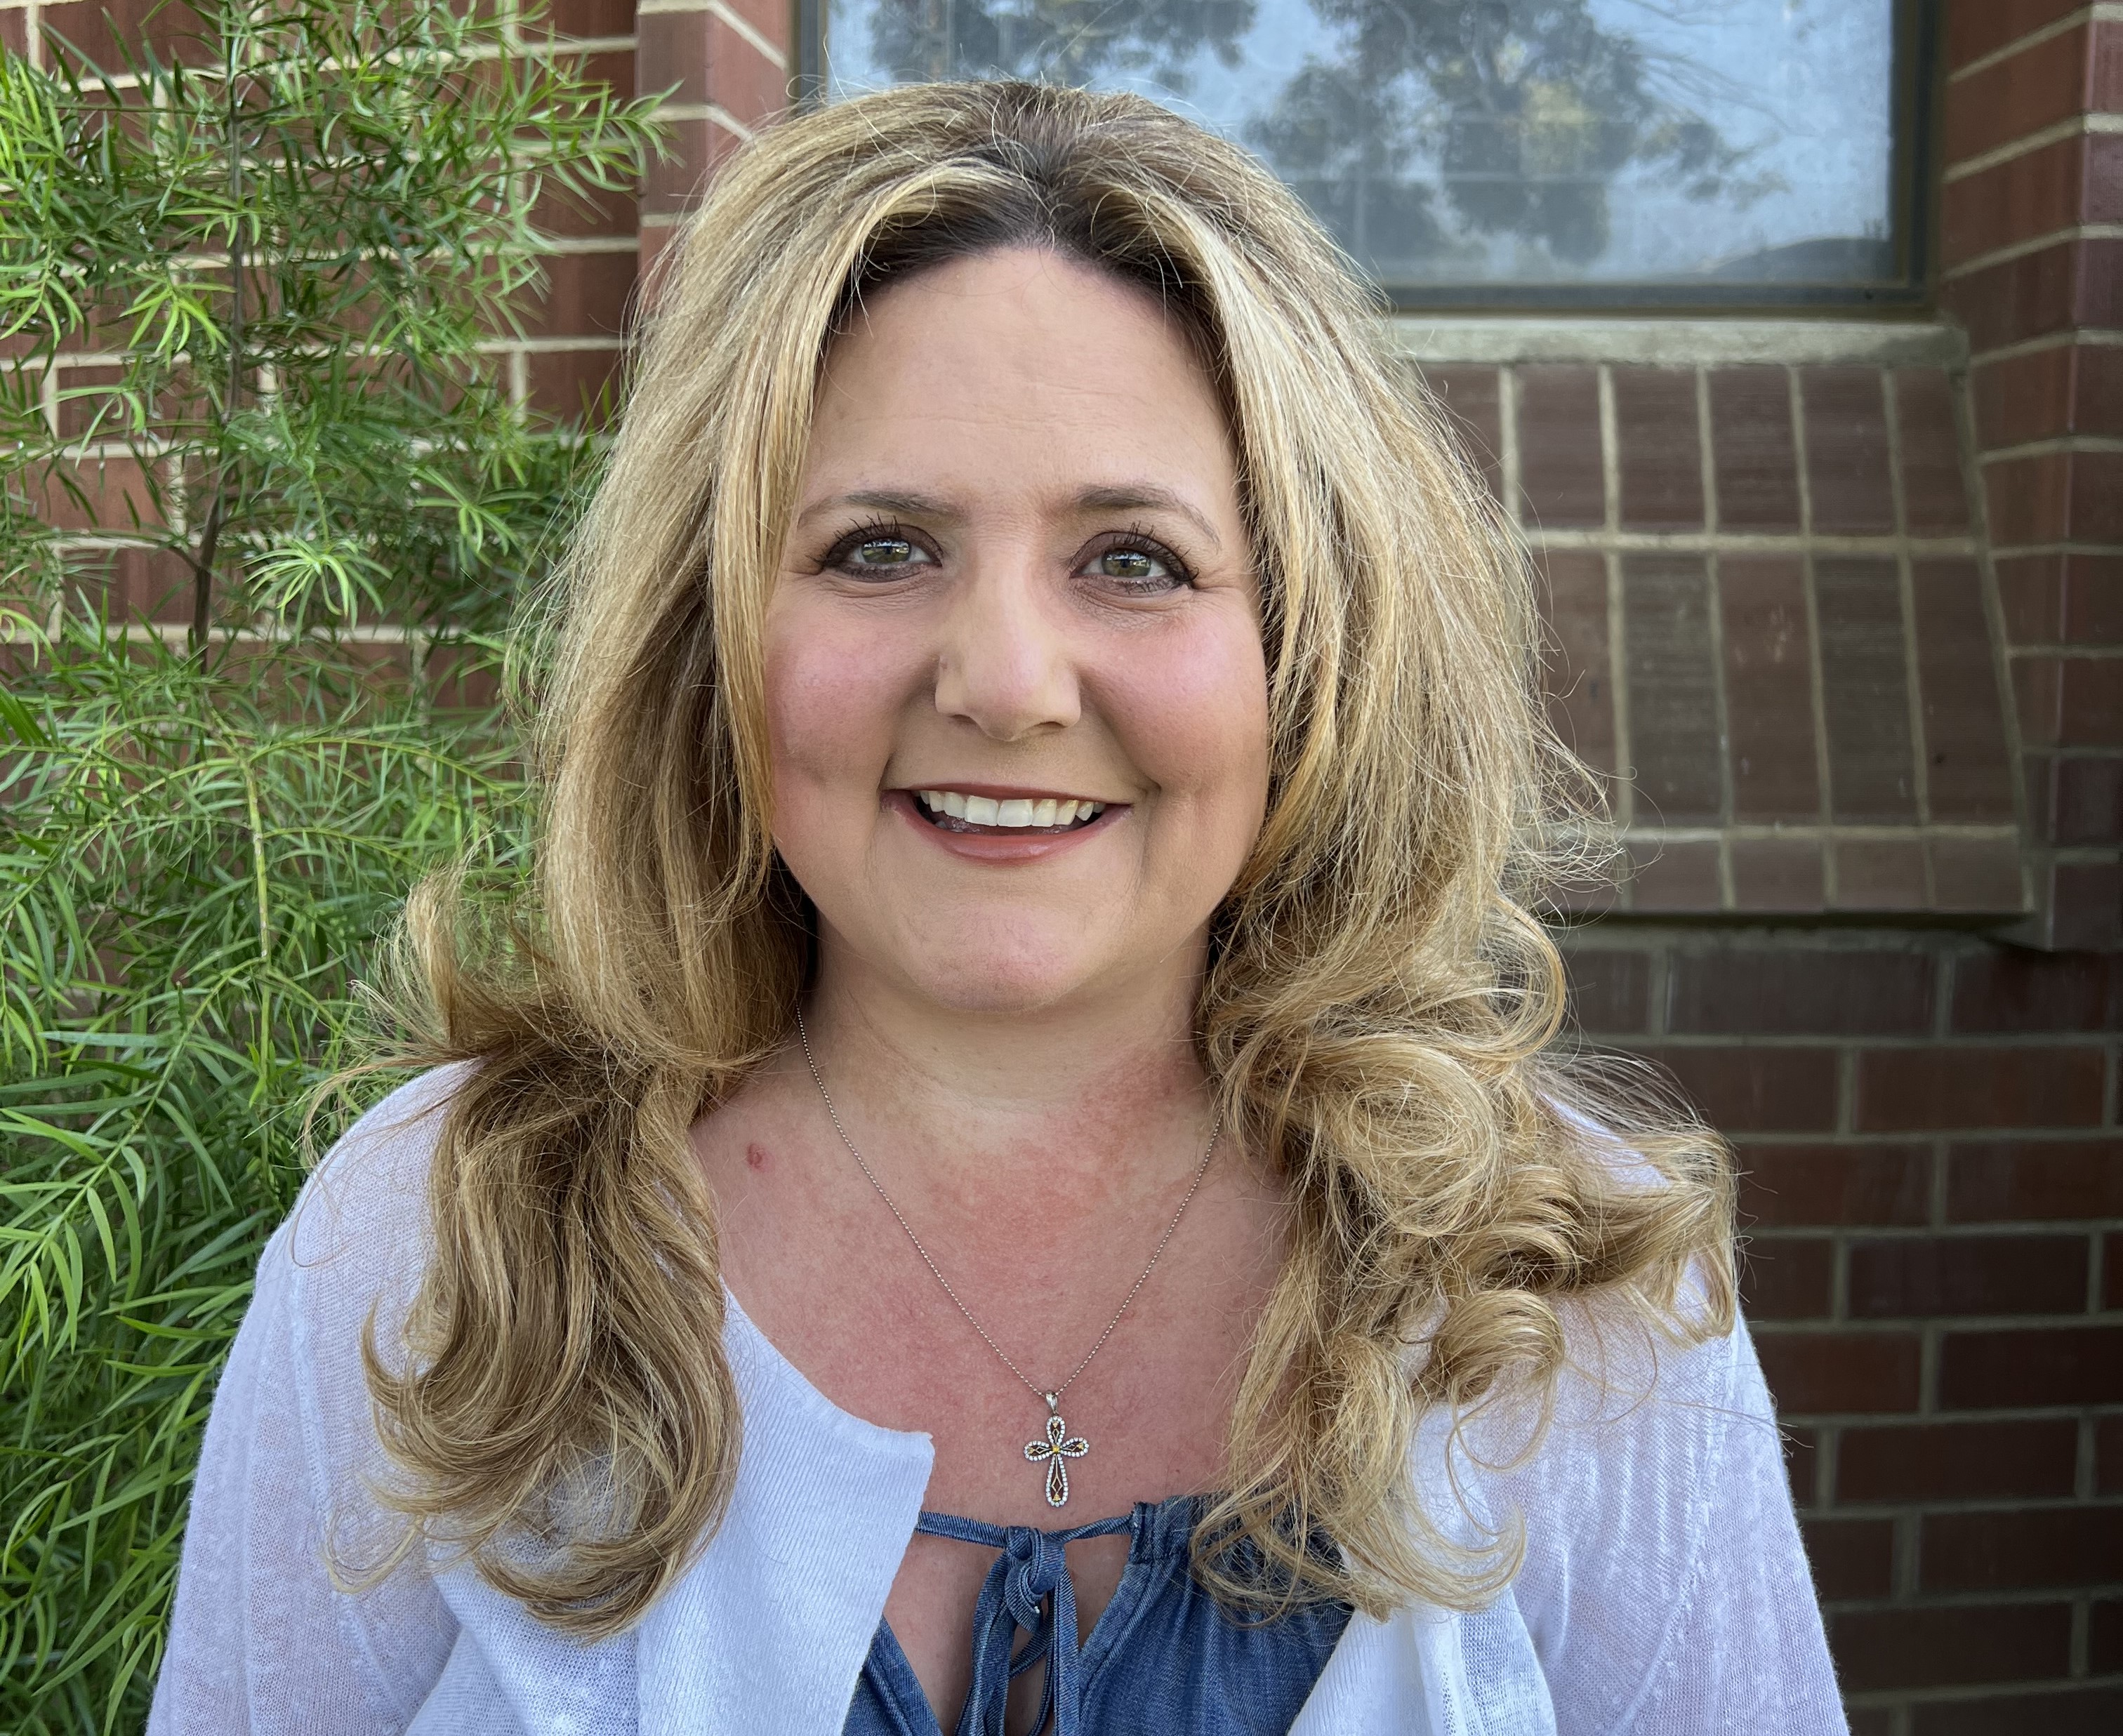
(1020,359)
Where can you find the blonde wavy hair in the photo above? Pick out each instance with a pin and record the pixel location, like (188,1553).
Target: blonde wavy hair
(1381,1010)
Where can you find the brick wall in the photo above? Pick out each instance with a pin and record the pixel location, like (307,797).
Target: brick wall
(1928,1123)
(2033,266)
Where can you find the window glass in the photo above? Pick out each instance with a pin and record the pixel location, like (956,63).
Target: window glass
(1571,144)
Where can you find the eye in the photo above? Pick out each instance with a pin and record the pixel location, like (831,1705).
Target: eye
(1138,565)
(877,552)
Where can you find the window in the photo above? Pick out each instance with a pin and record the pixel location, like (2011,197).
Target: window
(1495,153)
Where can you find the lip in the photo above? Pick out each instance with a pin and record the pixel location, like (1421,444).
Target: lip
(997,849)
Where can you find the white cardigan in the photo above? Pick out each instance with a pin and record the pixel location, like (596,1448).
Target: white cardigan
(1663,1591)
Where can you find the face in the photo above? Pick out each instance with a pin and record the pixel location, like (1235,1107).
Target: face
(1018,582)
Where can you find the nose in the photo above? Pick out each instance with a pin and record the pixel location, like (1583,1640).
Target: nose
(1004,664)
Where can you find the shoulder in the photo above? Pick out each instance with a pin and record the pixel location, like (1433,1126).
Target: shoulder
(359,1235)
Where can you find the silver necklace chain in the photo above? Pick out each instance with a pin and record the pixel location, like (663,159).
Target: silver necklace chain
(1053,1396)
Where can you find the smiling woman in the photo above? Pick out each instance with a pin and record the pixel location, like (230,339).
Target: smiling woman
(1029,1003)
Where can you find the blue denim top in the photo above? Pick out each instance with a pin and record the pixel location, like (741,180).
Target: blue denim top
(1164,1659)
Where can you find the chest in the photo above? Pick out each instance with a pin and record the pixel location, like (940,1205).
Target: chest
(839,1287)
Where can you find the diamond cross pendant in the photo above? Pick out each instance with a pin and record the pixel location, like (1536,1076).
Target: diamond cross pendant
(1053,1452)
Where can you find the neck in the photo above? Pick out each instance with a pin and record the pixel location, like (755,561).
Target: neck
(1061,1109)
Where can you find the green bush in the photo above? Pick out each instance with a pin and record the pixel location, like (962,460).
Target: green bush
(294,236)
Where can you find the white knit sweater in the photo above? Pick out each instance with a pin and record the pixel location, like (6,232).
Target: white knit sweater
(1663,1591)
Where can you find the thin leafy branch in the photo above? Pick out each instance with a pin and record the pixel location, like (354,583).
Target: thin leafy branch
(250,283)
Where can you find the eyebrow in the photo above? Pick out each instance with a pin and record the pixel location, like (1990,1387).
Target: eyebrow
(1116,498)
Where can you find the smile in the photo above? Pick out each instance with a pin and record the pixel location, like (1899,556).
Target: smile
(950,811)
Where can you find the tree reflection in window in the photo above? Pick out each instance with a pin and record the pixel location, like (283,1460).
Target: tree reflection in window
(1474,140)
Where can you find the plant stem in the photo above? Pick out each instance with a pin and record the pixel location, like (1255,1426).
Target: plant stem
(232,396)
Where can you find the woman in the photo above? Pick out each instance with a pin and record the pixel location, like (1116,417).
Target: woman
(1044,752)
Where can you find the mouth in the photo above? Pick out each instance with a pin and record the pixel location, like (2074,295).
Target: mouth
(1030,814)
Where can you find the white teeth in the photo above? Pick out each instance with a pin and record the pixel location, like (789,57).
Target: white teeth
(1041,814)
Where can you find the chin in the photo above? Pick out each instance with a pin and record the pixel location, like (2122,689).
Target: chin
(1010,976)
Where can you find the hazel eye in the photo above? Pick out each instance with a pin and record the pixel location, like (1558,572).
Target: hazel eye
(1129,564)
(882,551)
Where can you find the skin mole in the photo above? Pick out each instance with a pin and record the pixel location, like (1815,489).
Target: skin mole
(755,1157)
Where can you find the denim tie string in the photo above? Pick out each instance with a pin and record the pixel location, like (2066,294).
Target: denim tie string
(1031,1571)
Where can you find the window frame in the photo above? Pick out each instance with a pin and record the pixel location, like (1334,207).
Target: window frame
(1911,201)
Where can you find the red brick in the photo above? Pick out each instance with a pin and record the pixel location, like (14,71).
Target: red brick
(1846,449)
(1905,1277)
(1850,1558)
(1768,686)
(2025,397)
(2086,801)
(1784,1185)
(2043,84)
(1792,992)
(2075,599)
(587,295)
(1757,458)
(1976,29)
(1880,874)
(1787,1277)
(772,19)
(1580,676)
(2035,193)
(2058,1711)
(2008,988)
(1673,877)
(2052,289)
(1778,874)
(2086,905)
(591,17)
(1668,661)
(1937,1648)
(1977,874)
(2108,1456)
(740,78)
(1752,1089)
(1950,1087)
(612,214)
(1948,1462)
(112,34)
(672,183)
(2090,702)
(1660,439)
(2038,697)
(1611,989)
(1811,1373)
(576,384)
(1471,401)
(2111,1271)
(1967,763)
(1560,468)
(2023,1549)
(671,51)
(1934,492)
(2104,1646)
(2030,498)
(1870,1720)
(2015,1366)
(1865,700)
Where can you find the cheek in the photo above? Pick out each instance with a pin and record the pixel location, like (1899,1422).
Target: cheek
(1194,719)
(831,696)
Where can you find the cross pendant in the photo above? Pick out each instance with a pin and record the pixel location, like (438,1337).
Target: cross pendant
(1055,1451)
